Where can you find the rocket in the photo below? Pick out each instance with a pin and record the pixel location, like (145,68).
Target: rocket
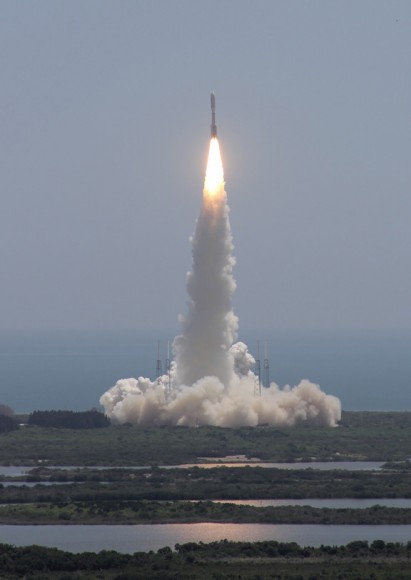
(213,125)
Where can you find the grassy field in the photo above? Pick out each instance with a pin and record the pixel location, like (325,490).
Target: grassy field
(360,436)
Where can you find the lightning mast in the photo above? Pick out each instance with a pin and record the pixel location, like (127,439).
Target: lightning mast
(257,372)
(266,381)
(159,370)
(168,367)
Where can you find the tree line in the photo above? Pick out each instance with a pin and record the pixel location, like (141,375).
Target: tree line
(69,419)
(192,560)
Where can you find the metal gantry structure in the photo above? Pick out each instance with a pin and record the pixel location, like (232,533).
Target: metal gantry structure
(261,376)
(266,370)
(159,366)
(263,380)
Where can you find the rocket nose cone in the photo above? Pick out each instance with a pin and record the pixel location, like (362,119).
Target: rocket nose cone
(212,100)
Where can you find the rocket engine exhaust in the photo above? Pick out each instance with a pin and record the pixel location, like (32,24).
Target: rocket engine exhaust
(213,383)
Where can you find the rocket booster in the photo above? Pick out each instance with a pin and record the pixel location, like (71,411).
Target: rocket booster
(213,125)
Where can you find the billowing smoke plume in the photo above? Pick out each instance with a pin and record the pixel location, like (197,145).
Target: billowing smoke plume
(211,381)
(210,327)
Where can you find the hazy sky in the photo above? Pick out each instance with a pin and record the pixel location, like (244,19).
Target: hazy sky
(105,119)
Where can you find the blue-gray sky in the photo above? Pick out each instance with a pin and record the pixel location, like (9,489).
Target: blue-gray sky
(104,114)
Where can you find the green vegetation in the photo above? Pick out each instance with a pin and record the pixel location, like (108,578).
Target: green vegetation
(151,512)
(360,436)
(114,496)
(127,495)
(213,483)
(154,495)
(69,419)
(215,561)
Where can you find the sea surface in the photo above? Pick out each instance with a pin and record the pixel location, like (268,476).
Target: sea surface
(71,370)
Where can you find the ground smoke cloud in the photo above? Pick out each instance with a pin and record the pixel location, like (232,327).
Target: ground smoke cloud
(212,379)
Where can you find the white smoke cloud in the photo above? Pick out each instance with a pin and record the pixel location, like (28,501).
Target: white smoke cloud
(210,327)
(212,381)
(209,402)
(243,361)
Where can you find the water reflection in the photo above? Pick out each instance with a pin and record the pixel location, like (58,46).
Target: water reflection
(321,465)
(130,539)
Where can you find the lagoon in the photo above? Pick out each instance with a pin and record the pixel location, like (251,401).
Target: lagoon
(321,465)
(143,538)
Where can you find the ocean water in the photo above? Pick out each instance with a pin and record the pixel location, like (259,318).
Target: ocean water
(71,370)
